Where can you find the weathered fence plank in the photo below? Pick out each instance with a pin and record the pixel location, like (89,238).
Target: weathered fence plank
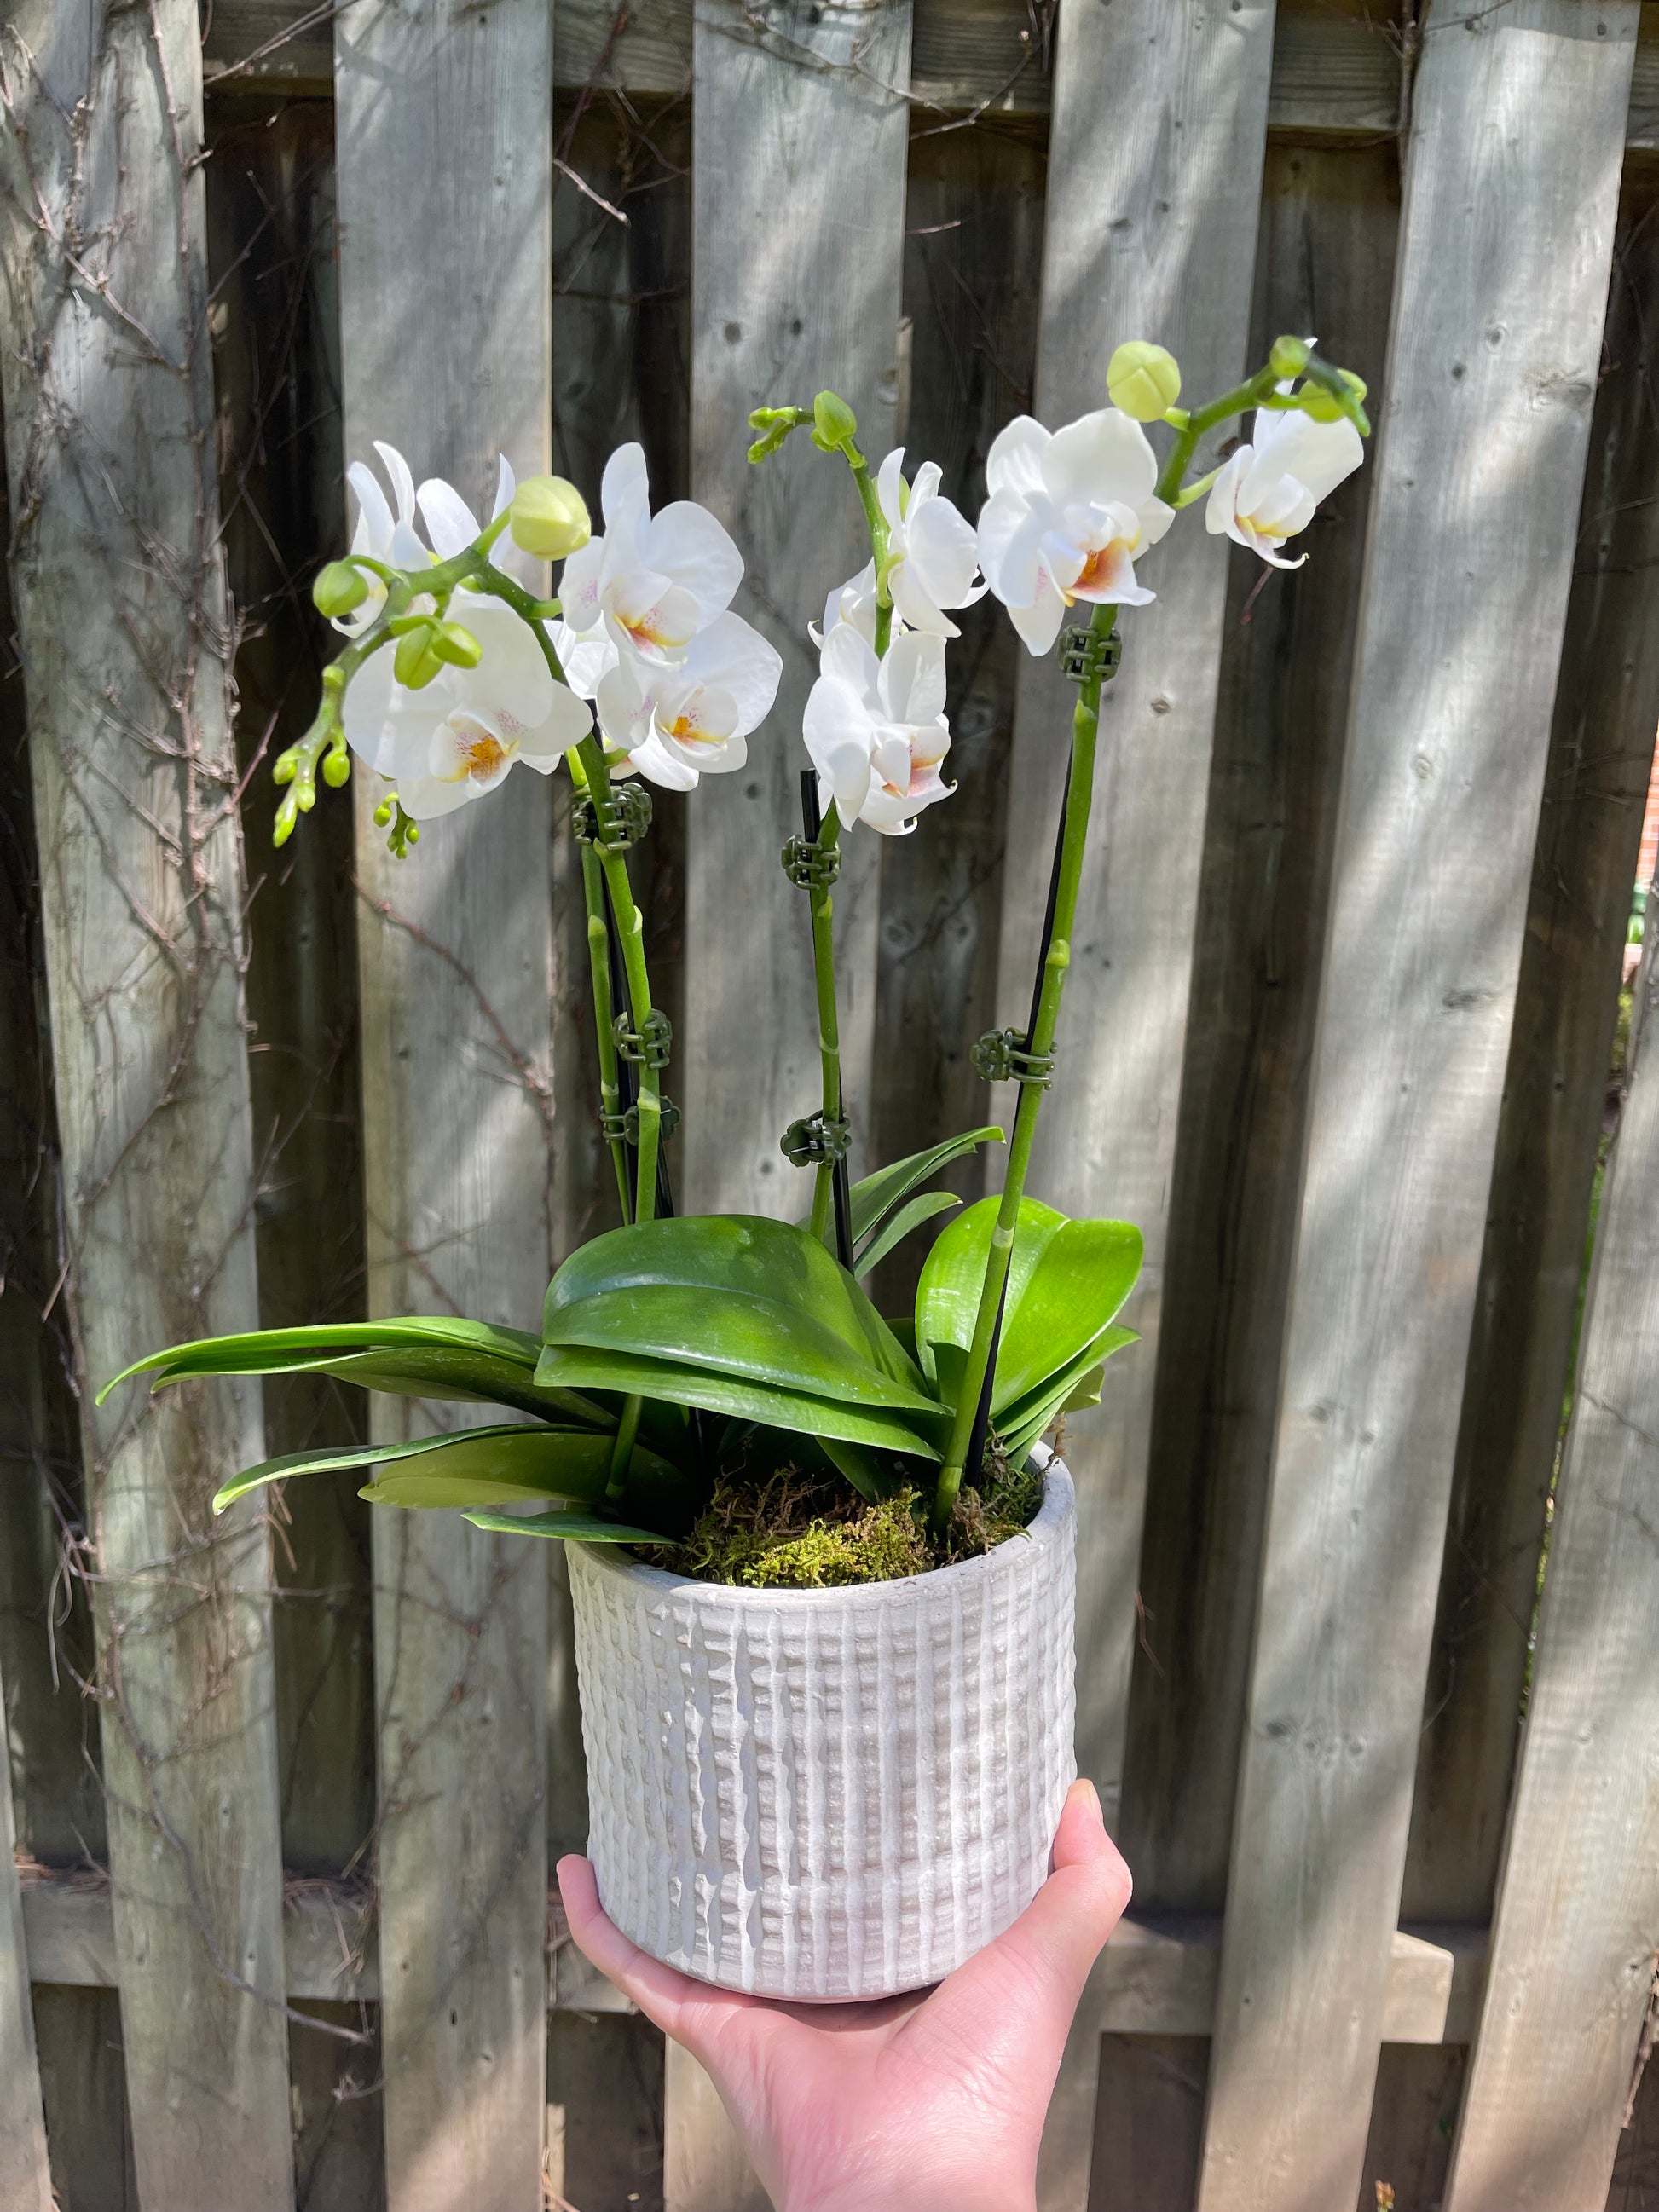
(1505,245)
(1135,245)
(121,618)
(705,2168)
(1575,1961)
(445,196)
(25,2176)
(799,128)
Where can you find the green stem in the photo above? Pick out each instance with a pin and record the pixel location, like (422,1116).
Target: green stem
(598,958)
(824,968)
(1080,791)
(1189,428)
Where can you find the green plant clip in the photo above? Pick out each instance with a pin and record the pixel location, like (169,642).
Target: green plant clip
(1086,655)
(650,1046)
(816,1139)
(626,1127)
(810,866)
(1001,1056)
(615,822)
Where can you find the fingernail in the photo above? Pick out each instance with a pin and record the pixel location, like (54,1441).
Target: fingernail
(1094,1799)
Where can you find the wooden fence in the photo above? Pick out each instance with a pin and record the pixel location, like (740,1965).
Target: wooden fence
(1344,1037)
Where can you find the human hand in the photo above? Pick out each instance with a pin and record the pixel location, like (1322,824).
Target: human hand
(931,2102)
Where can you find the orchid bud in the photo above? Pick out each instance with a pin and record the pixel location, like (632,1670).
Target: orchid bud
(1289,357)
(1324,405)
(414,663)
(834,422)
(1143,379)
(550,520)
(456,644)
(339,589)
(336,766)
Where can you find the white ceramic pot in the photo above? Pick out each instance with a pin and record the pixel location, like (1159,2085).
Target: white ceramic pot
(828,1794)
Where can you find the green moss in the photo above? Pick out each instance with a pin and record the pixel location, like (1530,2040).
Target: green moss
(792,1530)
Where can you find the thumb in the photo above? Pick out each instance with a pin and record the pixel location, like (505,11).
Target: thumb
(1063,1930)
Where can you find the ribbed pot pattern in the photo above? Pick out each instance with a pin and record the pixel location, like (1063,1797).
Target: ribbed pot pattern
(828,1794)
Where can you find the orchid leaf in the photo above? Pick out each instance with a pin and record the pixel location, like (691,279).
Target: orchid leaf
(535,1459)
(1066,1281)
(586,1367)
(873,1474)
(737,1293)
(269,1351)
(571,1528)
(1074,1387)
(874,1196)
(911,1215)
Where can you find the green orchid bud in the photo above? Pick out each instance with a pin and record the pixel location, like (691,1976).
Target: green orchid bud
(414,663)
(1323,404)
(339,589)
(455,643)
(549,519)
(1143,379)
(1289,357)
(337,766)
(834,422)
(383,812)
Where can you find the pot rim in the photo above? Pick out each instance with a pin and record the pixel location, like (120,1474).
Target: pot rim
(1058,1493)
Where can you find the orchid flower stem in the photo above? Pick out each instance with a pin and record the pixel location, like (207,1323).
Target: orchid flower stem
(828,1191)
(599,958)
(1080,792)
(1190,428)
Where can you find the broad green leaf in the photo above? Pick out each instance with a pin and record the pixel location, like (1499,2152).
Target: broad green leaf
(466,1376)
(502,1442)
(874,1476)
(570,1528)
(584,1367)
(739,1294)
(1074,1387)
(1065,1280)
(952,1274)
(874,1196)
(909,1216)
(249,1354)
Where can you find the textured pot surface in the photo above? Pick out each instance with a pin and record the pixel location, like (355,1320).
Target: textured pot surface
(828,1794)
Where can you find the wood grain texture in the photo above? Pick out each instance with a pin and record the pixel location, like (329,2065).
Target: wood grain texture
(1576,1938)
(118,591)
(1325,263)
(444,194)
(1484,425)
(25,2175)
(1607,703)
(1139,240)
(799,123)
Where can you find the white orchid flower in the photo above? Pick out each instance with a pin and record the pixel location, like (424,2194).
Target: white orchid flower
(852,602)
(392,537)
(933,556)
(1268,489)
(675,724)
(1068,512)
(653,582)
(458,737)
(876,729)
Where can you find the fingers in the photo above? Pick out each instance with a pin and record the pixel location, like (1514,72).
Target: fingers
(659,1992)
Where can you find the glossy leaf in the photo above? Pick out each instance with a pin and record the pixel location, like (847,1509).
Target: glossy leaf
(737,1293)
(504,1444)
(1075,1386)
(568,1527)
(874,1196)
(268,1351)
(1065,1280)
(584,1367)
(911,1215)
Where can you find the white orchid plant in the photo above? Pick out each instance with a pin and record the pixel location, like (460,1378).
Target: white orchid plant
(677,1351)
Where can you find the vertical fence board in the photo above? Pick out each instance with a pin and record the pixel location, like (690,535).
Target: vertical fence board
(1607,703)
(25,2177)
(1575,1956)
(798,129)
(1139,240)
(1505,246)
(119,596)
(705,2168)
(445,196)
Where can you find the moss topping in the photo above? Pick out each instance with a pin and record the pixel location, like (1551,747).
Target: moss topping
(798,1529)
